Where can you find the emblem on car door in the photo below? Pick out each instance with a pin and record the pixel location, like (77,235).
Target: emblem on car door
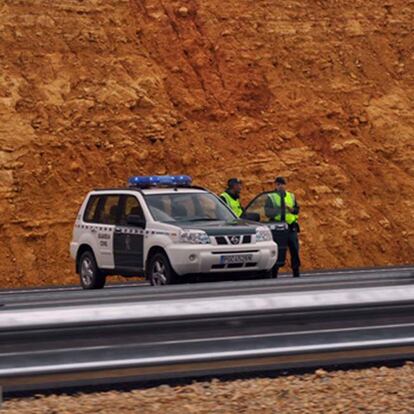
(128,242)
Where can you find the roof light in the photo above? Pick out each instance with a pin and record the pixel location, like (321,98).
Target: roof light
(160,180)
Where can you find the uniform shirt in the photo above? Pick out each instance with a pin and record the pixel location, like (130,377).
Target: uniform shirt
(233,196)
(272,211)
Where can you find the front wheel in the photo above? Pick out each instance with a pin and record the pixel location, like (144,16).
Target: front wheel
(267,274)
(90,276)
(160,271)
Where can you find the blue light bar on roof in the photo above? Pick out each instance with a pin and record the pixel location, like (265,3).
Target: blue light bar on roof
(160,180)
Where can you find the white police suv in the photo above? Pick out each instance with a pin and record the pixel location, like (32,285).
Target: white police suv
(165,228)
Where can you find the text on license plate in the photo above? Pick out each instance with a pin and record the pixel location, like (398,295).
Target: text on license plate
(236,258)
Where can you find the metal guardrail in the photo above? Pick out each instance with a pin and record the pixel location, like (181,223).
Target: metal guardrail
(48,345)
(201,307)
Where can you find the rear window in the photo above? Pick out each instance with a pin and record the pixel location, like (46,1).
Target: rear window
(90,211)
(108,210)
(102,209)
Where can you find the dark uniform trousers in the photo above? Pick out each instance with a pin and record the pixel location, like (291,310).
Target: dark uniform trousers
(292,241)
(293,246)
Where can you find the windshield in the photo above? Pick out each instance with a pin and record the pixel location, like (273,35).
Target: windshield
(169,208)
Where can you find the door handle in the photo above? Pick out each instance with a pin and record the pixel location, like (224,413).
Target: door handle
(118,230)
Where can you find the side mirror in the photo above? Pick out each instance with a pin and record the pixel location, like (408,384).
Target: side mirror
(251,216)
(135,220)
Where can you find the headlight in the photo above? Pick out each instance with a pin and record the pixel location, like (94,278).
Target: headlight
(263,234)
(194,237)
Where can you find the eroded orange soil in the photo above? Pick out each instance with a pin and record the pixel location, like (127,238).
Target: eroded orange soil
(319,91)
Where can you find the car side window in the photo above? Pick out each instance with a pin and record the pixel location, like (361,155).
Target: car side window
(91,207)
(108,209)
(130,205)
(259,207)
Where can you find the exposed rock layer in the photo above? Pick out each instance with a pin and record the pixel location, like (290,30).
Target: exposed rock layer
(320,91)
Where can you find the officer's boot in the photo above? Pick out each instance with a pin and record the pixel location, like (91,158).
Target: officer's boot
(296,272)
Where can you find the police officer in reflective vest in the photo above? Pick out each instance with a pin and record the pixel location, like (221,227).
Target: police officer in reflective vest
(282,206)
(232,196)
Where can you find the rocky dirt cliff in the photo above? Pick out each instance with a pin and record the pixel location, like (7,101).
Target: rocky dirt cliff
(321,91)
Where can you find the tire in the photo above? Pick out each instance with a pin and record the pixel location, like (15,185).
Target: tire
(160,271)
(89,273)
(267,274)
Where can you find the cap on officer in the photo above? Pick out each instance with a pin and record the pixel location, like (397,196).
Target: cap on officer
(233,181)
(280,180)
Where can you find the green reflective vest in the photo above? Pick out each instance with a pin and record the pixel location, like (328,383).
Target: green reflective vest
(233,204)
(289,202)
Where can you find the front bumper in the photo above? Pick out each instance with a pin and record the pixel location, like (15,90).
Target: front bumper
(191,258)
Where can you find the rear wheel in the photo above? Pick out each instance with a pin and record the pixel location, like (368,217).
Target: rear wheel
(90,275)
(160,271)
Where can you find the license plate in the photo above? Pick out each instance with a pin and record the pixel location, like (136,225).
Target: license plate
(236,258)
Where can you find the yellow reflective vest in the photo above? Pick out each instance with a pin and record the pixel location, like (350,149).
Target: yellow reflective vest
(233,204)
(289,202)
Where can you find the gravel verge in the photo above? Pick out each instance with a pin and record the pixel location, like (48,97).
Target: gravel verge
(373,390)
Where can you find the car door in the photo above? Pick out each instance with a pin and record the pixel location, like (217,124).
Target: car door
(129,239)
(90,225)
(106,218)
(260,209)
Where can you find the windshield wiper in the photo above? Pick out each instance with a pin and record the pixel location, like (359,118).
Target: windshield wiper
(203,219)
